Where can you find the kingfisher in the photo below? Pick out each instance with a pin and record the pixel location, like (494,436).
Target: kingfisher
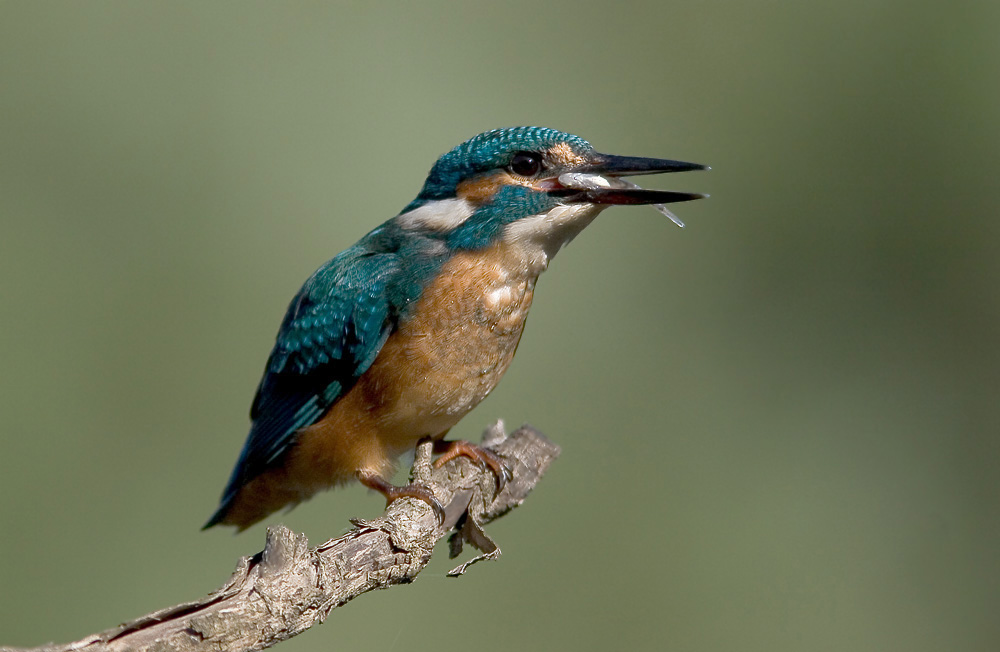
(398,337)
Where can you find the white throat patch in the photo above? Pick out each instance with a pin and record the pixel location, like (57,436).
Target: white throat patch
(540,237)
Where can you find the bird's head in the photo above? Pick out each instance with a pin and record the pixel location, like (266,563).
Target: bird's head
(529,185)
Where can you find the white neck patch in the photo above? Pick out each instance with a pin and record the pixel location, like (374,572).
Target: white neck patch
(439,215)
(540,237)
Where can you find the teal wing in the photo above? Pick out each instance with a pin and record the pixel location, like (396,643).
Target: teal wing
(333,330)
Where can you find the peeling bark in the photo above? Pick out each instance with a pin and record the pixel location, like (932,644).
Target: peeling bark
(288,587)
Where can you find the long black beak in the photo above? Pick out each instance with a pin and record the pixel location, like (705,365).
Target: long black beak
(596,182)
(629,166)
(626,196)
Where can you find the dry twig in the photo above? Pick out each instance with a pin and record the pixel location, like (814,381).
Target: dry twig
(289,587)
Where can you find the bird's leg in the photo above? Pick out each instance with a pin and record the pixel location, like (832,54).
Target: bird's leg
(392,492)
(483,457)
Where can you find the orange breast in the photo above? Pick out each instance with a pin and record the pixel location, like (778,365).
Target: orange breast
(454,349)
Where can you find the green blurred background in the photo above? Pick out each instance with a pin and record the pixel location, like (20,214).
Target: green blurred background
(780,425)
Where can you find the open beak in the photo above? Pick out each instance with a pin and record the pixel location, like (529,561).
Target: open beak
(599,182)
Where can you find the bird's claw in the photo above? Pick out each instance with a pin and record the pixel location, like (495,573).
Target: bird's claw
(484,458)
(393,493)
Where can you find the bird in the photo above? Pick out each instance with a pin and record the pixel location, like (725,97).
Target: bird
(401,335)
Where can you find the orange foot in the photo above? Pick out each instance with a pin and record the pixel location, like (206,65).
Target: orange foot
(483,457)
(392,492)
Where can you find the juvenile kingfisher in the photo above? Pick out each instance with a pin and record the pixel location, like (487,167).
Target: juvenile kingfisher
(400,336)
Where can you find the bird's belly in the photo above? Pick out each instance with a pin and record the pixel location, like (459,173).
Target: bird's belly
(451,350)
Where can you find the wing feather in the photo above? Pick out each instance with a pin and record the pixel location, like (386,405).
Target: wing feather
(332,332)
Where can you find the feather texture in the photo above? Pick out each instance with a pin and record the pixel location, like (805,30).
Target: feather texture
(332,332)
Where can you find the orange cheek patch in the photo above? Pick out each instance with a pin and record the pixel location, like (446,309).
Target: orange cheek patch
(481,189)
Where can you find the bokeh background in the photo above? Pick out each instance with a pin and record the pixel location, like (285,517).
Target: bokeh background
(780,424)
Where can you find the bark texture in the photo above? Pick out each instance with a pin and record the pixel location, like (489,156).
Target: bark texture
(288,587)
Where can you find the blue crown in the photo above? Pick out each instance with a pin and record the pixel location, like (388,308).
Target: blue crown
(490,150)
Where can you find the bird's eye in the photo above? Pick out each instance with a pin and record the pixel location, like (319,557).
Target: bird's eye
(526,164)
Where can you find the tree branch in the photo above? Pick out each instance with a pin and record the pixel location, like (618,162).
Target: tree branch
(289,587)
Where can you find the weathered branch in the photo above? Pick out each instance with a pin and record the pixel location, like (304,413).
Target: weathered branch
(289,587)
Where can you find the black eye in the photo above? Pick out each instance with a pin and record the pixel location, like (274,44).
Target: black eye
(526,164)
